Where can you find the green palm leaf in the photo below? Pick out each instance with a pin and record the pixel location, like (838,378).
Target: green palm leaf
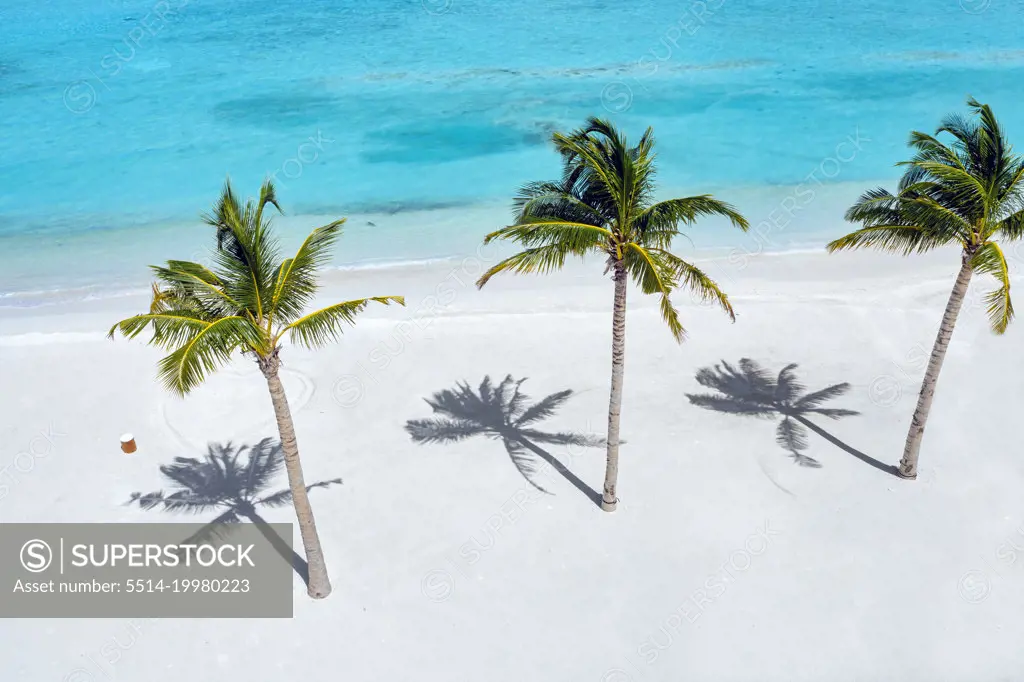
(691,277)
(321,326)
(655,276)
(989,260)
(903,239)
(542,259)
(603,205)
(207,350)
(295,281)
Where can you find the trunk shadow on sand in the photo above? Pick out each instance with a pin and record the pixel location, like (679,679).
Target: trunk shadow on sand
(223,481)
(501,412)
(752,391)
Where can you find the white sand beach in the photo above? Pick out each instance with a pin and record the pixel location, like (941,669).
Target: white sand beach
(725,559)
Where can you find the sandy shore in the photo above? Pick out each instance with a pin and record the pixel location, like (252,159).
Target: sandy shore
(725,561)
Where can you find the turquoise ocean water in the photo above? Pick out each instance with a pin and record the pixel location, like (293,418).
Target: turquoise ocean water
(121,119)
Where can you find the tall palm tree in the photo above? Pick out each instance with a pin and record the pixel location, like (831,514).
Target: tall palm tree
(967,193)
(502,412)
(220,481)
(248,302)
(604,205)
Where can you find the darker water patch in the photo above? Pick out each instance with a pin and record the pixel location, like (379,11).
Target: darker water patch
(430,142)
(382,207)
(274,111)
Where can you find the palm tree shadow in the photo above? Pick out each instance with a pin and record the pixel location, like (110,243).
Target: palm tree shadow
(752,391)
(501,413)
(220,481)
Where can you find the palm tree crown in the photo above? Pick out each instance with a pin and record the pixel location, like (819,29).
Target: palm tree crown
(249,300)
(604,204)
(969,193)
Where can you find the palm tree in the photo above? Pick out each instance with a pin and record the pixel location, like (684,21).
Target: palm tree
(752,391)
(603,204)
(248,302)
(966,193)
(502,412)
(221,482)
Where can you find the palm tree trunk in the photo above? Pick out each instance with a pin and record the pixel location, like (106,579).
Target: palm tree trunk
(609,500)
(908,465)
(319,585)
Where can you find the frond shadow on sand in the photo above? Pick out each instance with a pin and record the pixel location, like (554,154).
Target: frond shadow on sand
(234,481)
(752,391)
(503,412)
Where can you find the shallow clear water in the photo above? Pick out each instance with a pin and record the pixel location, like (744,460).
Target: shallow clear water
(120,120)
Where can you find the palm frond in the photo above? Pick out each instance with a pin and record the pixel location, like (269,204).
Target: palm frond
(170,327)
(1011,227)
(268,195)
(658,223)
(295,281)
(226,213)
(989,260)
(546,201)
(655,275)
(541,259)
(902,239)
(246,252)
(187,281)
(694,279)
(206,351)
(576,238)
(325,325)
